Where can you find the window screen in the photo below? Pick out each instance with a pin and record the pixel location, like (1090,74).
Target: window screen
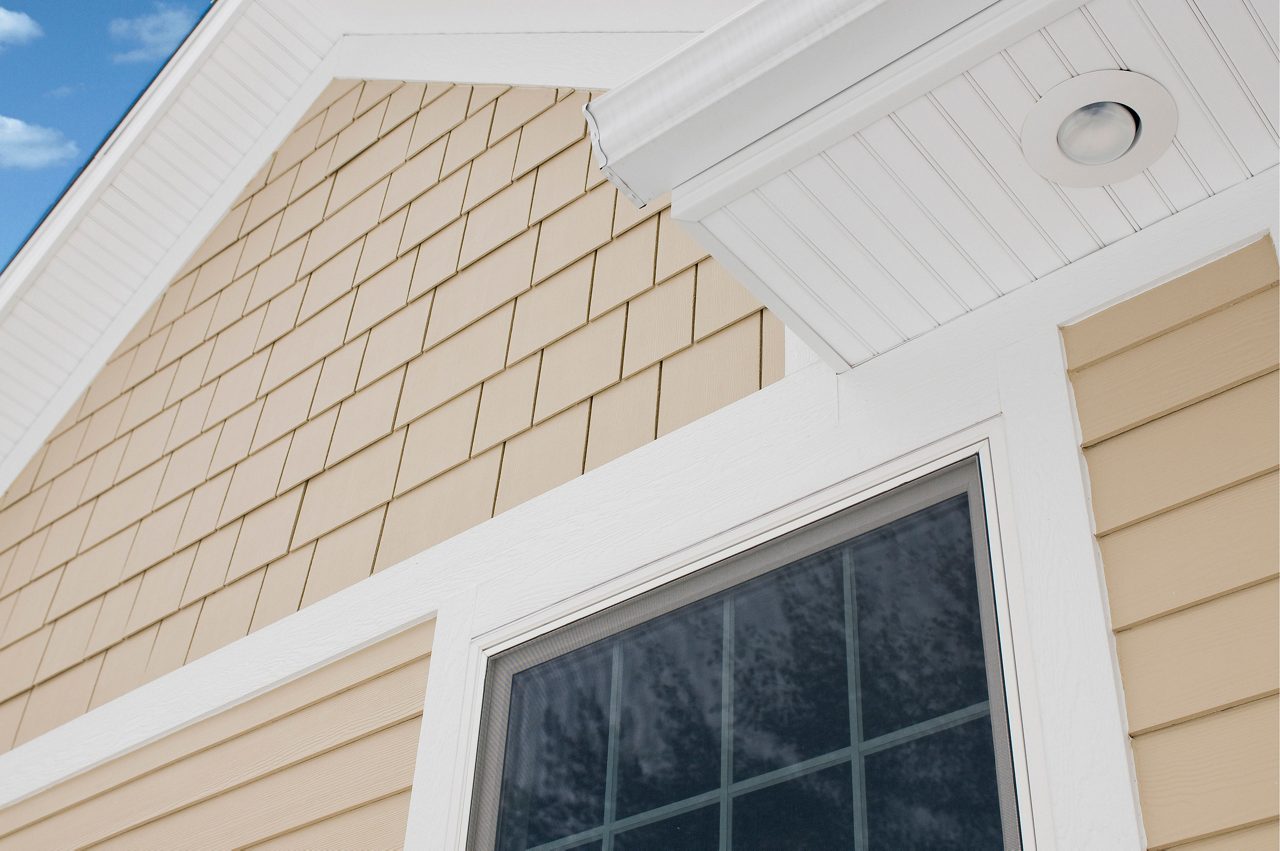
(837,688)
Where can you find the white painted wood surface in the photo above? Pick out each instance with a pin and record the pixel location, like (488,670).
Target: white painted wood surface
(906,200)
(750,74)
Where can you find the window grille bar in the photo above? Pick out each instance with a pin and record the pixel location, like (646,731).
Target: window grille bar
(780,775)
(611,759)
(854,665)
(657,814)
(742,787)
(726,726)
(925,728)
(790,772)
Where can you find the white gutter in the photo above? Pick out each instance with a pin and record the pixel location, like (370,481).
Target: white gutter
(748,76)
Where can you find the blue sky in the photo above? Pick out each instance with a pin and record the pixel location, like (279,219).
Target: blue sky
(69,70)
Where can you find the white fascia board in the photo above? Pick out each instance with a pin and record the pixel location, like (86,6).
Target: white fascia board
(597,60)
(1002,23)
(449,17)
(749,76)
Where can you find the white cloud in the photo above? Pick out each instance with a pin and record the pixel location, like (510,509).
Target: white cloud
(156,35)
(62,91)
(24,145)
(17,28)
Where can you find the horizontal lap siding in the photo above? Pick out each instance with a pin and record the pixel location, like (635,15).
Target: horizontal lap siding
(1176,391)
(309,757)
(426,309)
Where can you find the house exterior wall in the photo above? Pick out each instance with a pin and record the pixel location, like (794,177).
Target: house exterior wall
(425,310)
(323,761)
(1176,391)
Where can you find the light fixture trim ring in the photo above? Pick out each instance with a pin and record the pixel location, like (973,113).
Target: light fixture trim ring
(1154,107)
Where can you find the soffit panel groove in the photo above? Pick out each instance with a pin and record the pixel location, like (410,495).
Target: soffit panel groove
(930,211)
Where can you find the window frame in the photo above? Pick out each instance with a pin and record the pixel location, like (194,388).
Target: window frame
(841,526)
(982,444)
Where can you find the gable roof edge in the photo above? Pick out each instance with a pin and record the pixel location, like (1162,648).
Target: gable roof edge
(88,261)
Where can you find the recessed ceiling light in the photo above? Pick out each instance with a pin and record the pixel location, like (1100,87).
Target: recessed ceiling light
(1098,128)
(1098,133)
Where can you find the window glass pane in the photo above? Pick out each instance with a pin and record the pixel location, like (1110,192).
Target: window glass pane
(554,777)
(919,634)
(833,699)
(936,792)
(695,831)
(669,743)
(790,672)
(811,811)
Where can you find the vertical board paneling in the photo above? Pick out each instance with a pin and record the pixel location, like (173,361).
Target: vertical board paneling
(1268,14)
(939,188)
(1246,50)
(804,265)
(1214,156)
(952,154)
(1005,87)
(838,221)
(289,39)
(235,110)
(887,140)
(1210,76)
(898,211)
(1167,185)
(1001,154)
(111,225)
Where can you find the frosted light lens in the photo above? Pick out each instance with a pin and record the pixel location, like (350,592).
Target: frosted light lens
(1098,133)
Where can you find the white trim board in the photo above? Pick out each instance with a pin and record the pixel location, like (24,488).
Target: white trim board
(863,102)
(573,59)
(500,16)
(749,75)
(779,455)
(447,797)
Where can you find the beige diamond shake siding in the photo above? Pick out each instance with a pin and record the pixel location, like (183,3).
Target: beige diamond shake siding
(426,309)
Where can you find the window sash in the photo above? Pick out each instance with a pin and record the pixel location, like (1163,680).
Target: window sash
(960,478)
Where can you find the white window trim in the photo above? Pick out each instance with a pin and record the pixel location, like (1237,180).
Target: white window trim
(993,382)
(979,441)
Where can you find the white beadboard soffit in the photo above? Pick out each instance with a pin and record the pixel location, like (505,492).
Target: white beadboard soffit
(754,72)
(172,168)
(904,201)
